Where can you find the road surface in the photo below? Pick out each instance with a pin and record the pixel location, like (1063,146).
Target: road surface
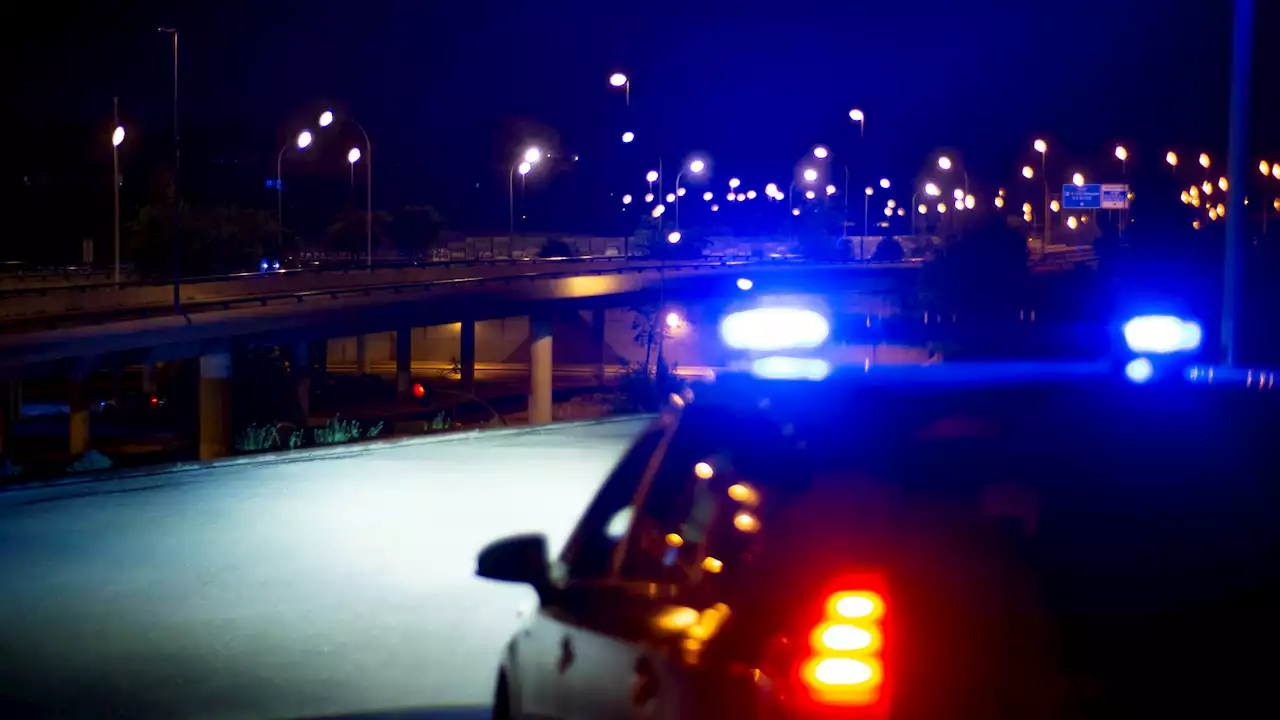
(338,586)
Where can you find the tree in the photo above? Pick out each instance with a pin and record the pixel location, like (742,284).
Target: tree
(349,232)
(984,272)
(214,239)
(416,230)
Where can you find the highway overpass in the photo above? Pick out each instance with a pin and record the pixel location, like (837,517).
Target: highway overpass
(322,583)
(297,311)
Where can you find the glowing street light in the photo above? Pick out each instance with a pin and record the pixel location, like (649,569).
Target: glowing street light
(742,197)
(697,166)
(809,194)
(859,117)
(628,136)
(1275,170)
(942,208)
(117,137)
(680,192)
(820,152)
(772,189)
(326,118)
(620,80)
(869,191)
(1055,206)
(958,194)
(1077,179)
(658,210)
(1121,153)
(1027,172)
(734,183)
(532,155)
(707,196)
(810,174)
(1041,146)
(970,201)
(884,183)
(304,139)
(892,203)
(959,205)
(922,208)
(673,237)
(353,155)
(931,189)
(673,319)
(1207,188)
(999,202)
(524,168)
(888,212)
(648,197)
(715,207)
(1171,157)
(944,163)
(1204,160)
(301,142)
(1222,184)
(671,197)
(1264,167)
(751,194)
(651,176)
(626,199)
(831,189)
(795,211)
(1072,222)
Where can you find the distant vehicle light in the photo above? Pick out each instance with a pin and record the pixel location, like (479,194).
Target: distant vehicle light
(790,368)
(1162,334)
(774,329)
(1139,370)
(418,390)
(275,264)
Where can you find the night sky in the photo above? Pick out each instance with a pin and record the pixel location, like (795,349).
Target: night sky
(449,91)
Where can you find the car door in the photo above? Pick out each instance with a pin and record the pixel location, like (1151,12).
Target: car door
(549,659)
(640,636)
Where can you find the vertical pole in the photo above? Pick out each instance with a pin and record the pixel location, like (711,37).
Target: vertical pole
(511,202)
(404,361)
(1044,240)
(215,405)
(362,355)
(300,368)
(78,416)
(1237,152)
(177,246)
(540,370)
(467,355)
(598,344)
(115,183)
(280,198)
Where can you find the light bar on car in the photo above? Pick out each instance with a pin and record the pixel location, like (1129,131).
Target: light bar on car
(790,368)
(769,329)
(1162,334)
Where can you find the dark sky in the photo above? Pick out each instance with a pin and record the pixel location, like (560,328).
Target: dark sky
(449,90)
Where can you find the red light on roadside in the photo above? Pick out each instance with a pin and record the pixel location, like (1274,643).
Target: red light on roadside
(155,400)
(418,390)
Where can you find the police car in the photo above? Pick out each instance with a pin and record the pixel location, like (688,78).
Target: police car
(806,538)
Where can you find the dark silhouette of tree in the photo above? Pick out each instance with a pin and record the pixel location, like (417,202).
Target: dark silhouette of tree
(348,233)
(416,230)
(556,248)
(888,250)
(215,239)
(983,273)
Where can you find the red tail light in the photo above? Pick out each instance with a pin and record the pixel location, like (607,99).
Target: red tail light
(845,664)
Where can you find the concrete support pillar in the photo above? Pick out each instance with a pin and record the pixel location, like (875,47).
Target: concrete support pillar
(78,412)
(598,344)
(362,355)
(148,379)
(300,368)
(10,413)
(320,356)
(404,362)
(467,355)
(540,370)
(215,405)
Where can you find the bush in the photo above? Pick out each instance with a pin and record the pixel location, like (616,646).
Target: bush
(556,249)
(888,250)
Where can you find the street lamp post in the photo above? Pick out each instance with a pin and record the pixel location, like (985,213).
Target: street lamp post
(117,137)
(866,205)
(1043,148)
(177,248)
(621,80)
(527,159)
(695,167)
(302,141)
(326,119)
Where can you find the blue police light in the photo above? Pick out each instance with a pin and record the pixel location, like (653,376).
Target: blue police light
(263,265)
(275,264)
(1139,370)
(790,368)
(1162,334)
(774,329)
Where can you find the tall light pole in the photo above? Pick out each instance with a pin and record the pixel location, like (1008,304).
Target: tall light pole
(695,167)
(326,119)
(177,248)
(1043,148)
(866,219)
(523,166)
(1237,147)
(621,80)
(353,157)
(117,137)
(1122,154)
(302,141)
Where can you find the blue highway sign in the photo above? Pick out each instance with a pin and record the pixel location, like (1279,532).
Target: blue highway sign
(1084,197)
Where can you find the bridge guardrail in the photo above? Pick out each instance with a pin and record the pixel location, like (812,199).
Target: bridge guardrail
(148,302)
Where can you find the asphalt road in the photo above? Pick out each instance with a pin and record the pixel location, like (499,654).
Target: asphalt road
(338,586)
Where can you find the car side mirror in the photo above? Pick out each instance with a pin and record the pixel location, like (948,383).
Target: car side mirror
(520,558)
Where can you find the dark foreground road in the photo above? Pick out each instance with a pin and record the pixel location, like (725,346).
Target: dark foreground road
(339,586)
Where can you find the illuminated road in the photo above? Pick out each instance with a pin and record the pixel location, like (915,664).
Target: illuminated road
(321,587)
